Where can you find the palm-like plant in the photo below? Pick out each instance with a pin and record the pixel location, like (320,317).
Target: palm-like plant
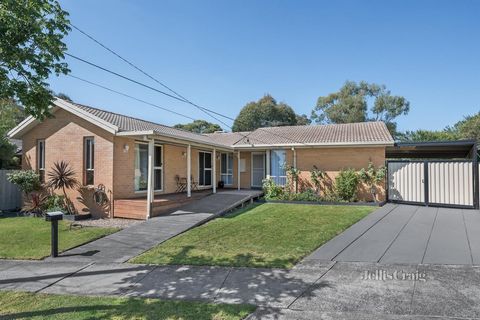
(62,176)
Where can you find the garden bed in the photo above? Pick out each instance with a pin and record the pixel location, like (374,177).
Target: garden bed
(327,203)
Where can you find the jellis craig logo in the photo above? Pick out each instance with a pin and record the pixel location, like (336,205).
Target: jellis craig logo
(384,275)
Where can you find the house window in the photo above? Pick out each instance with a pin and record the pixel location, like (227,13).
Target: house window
(158,168)
(141,167)
(226,168)
(205,168)
(41,159)
(277,167)
(89,161)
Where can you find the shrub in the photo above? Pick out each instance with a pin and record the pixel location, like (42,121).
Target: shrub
(317,176)
(54,202)
(27,180)
(62,177)
(346,185)
(372,177)
(271,190)
(307,195)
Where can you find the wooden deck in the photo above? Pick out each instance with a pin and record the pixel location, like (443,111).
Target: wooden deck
(136,208)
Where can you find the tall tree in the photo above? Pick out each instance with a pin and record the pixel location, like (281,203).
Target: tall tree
(31,49)
(10,115)
(266,112)
(199,126)
(64,96)
(468,128)
(359,102)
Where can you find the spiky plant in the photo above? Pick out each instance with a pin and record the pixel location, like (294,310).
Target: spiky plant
(63,177)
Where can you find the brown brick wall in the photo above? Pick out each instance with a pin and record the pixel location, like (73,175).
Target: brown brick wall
(64,135)
(332,160)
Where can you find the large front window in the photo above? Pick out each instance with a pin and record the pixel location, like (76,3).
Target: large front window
(141,167)
(277,167)
(205,168)
(227,168)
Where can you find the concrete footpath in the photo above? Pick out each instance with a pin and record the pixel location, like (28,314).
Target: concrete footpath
(313,289)
(132,241)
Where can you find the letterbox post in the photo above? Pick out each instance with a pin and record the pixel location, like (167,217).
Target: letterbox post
(53,217)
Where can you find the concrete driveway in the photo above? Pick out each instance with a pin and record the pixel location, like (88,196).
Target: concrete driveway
(409,234)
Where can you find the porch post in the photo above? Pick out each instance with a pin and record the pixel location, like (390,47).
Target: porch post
(268,164)
(238,171)
(151,149)
(214,178)
(189,171)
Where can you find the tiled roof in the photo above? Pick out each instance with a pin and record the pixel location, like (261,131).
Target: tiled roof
(126,123)
(331,134)
(349,133)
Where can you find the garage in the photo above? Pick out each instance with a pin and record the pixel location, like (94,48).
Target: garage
(442,174)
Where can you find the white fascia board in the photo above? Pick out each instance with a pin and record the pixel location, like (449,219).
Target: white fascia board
(173,138)
(107,126)
(30,121)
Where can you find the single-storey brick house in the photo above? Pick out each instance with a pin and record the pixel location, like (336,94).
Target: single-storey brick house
(138,159)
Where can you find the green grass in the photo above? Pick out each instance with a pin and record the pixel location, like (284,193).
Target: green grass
(29,238)
(267,235)
(22,305)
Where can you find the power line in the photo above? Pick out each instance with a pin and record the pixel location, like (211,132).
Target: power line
(131,97)
(145,85)
(179,96)
(137,99)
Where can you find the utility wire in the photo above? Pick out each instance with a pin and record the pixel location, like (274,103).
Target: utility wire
(139,100)
(178,95)
(131,97)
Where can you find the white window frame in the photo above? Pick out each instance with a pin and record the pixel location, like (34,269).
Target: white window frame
(222,175)
(92,160)
(205,169)
(41,159)
(154,168)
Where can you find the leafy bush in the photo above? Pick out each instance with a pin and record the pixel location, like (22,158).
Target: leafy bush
(346,185)
(372,177)
(317,176)
(272,191)
(54,202)
(62,177)
(307,195)
(27,180)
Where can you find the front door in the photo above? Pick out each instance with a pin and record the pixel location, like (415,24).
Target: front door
(258,169)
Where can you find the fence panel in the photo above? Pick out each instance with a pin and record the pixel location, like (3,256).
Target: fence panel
(10,195)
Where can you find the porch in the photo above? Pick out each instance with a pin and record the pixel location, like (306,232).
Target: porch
(225,200)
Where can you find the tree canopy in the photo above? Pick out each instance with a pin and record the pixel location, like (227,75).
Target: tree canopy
(468,128)
(359,102)
(266,112)
(31,49)
(199,126)
(10,115)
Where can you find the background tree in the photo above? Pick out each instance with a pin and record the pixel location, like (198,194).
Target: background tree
(31,49)
(468,128)
(64,96)
(199,126)
(11,114)
(266,112)
(359,102)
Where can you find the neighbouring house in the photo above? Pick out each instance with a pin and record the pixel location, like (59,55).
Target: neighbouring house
(138,161)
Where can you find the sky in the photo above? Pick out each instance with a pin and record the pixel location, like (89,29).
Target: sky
(224,54)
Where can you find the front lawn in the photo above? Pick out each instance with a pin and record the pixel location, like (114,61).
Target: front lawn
(29,238)
(267,235)
(22,305)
